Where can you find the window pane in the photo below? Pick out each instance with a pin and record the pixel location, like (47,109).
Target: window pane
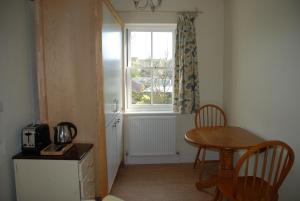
(162,49)
(140,49)
(162,86)
(150,68)
(141,86)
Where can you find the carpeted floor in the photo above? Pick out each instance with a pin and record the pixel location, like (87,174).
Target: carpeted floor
(174,182)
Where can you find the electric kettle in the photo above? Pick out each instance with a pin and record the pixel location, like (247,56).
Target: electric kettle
(64,133)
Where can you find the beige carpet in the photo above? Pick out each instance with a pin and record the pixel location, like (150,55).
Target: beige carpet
(174,182)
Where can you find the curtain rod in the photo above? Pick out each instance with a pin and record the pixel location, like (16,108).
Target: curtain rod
(160,11)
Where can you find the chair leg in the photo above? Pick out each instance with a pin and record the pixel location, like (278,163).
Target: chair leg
(276,198)
(221,197)
(197,157)
(202,164)
(217,196)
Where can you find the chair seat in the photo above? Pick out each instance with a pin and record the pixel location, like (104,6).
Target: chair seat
(111,198)
(257,193)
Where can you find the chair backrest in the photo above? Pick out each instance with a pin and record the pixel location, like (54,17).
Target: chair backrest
(210,116)
(263,168)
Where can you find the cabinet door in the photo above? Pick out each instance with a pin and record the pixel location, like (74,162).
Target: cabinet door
(114,144)
(47,180)
(112,62)
(120,140)
(112,75)
(111,153)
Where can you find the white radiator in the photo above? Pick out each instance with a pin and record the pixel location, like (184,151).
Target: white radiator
(151,136)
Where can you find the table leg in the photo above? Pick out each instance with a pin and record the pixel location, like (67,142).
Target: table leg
(225,171)
(226,168)
(207,183)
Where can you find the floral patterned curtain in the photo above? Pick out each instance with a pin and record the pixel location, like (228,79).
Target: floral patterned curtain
(186,84)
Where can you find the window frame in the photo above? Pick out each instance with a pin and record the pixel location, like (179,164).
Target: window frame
(128,97)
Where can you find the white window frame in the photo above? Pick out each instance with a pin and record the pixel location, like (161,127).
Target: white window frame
(145,28)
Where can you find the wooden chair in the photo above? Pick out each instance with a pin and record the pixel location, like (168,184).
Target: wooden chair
(259,173)
(208,116)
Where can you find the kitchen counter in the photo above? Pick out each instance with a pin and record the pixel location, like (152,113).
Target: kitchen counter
(77,152)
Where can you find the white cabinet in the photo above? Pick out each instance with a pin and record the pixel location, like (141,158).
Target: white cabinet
(114,149)
(56,178)
(112,79)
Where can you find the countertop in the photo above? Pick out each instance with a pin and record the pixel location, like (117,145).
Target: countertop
(77,152)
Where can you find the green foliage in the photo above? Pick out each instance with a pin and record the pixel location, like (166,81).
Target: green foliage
(162,98)
(141,98)
(156,76)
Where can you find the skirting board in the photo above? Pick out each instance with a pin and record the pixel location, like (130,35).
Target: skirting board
(159,159)
(182,157)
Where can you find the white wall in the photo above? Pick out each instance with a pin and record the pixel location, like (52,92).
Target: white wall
(261,74)
(17,85)
(210,32)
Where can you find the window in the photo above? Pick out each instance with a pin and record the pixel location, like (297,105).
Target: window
(150,68)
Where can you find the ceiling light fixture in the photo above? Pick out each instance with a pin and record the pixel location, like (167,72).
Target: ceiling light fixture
(143,4)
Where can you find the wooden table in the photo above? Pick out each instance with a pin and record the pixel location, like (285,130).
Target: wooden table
(225,139)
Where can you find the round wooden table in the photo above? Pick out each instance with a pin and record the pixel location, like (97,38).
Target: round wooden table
(225,139)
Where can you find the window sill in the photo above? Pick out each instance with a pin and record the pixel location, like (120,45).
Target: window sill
(150,113)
